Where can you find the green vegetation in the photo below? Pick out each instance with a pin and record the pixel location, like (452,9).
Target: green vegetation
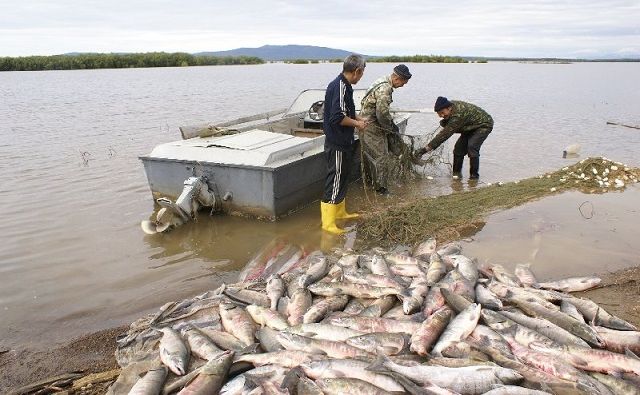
(448,217)
(298,61)
(418,59)
(119,61)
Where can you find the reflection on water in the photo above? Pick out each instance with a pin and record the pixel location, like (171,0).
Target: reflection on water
(73,258)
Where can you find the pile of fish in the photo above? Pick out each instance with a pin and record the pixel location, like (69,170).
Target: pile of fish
(423,321)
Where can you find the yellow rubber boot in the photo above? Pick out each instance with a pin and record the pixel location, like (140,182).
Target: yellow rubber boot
(328,212)
(342,211)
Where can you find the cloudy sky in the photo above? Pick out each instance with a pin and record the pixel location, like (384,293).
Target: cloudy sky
(514,28)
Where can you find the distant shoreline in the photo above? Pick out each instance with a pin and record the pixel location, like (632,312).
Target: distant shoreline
(91,61)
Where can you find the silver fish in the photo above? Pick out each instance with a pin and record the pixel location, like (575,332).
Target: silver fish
(572,284)
(173,351)
(275,289)
(459,328)
(211,377)
(525,275)
(151,383)
(425,249)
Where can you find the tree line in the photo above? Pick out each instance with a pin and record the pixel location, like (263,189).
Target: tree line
(119,61)
(418,59)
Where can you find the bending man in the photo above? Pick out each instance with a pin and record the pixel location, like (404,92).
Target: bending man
(375,107)
(339,122)
(474,125)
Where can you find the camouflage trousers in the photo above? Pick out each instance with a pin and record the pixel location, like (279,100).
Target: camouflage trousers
(379,162)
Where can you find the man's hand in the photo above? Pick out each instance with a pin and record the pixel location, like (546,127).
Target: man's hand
(361,124)
(419,152)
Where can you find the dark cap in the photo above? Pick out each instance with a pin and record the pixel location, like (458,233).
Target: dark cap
(402,71)
(441,102)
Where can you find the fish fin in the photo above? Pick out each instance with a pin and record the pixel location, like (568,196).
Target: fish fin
(630,353)
(595,317)
(308,334)
(379,364)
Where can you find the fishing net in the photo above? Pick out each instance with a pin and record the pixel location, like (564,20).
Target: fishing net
(443,217)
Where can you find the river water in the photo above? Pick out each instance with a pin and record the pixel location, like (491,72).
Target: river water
(73,258)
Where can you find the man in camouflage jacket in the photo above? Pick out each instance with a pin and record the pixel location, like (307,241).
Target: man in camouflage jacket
(474,125)
(375,137)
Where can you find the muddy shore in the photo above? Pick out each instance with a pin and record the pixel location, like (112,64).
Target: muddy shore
(619,293)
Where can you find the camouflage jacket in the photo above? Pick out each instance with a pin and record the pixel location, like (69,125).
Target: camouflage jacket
(376,103)
(465,117)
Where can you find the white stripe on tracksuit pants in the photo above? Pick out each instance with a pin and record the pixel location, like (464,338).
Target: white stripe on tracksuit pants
(339,164)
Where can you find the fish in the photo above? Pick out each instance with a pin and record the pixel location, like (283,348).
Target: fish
(449,249)
(619,341)
(503,276)
(267,317)
(211,376)
(429,331)
(546,328)
(436,270)
(200,344)
(375,324)
(594,313)
(267,338)
(173,351)
(379,266)
(467,380)
(333,349)
(316,270)
(355,290)
(379,306)
(319,310)
(571,310)
(572,284)
(425,249)
(351,368)
(151,383)
(224,340)
(341,385)
(487,299)
(238,322)
(247,296)
(593,360)
(525,275)
(566,322)
(275,290)
(285,358)
(459,328)
(466,266)
(380,342)
(300,302)
(324,331)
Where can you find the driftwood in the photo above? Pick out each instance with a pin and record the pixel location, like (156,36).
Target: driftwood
(58,381)
(194,131)
(622,124)
(96,378)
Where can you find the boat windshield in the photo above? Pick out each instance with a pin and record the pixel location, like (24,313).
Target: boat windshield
(306,98)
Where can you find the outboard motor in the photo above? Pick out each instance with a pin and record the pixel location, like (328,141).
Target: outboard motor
(196,194)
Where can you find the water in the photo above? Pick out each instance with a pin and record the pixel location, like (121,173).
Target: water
(73,258)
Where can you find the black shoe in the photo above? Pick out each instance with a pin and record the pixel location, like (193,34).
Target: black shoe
(456,176)
(474,176)
(382,191)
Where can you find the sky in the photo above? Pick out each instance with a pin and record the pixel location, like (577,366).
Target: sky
(495,28)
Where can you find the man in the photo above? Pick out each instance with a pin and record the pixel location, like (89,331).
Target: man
(474,125)
(375,108)
(339,122)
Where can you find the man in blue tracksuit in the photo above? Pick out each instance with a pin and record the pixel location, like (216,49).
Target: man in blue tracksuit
(339,122)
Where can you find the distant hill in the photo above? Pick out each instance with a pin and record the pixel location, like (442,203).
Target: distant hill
(284,52)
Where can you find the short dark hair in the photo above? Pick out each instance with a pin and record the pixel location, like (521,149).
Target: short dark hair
(353,62)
